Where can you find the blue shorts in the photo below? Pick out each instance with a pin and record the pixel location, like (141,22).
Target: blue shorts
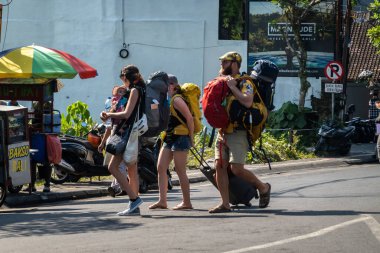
(181,143)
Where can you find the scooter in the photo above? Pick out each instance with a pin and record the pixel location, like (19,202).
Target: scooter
(80,158)
(334,140)
(365,130)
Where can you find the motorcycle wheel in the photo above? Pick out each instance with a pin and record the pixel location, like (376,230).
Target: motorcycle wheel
(14,189)
(345,150)
(143,186)
(59,176)
(319,146)
(74,178)
(3,194)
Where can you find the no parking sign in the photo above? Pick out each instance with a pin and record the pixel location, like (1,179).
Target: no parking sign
(334,70)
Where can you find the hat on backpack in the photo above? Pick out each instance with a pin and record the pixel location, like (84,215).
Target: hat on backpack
(231,56)
(172,79)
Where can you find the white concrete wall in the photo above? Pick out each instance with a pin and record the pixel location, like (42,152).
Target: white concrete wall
(176,36)
(287,89)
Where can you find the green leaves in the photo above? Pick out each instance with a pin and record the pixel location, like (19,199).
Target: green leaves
(78,120)
(374,32)
(288,116)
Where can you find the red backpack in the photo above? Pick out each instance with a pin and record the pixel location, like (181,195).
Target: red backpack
(214,95)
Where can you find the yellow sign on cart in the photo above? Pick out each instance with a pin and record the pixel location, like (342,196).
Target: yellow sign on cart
(19,163)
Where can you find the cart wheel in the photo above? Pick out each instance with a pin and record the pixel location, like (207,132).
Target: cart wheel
(58,176)
(14,189)
(3,194)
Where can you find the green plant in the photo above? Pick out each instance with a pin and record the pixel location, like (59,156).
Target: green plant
(288,116)
(278,149)
(78,120)
(288,119)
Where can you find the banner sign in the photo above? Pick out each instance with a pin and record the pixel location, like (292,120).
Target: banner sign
(267,27)
(307,31)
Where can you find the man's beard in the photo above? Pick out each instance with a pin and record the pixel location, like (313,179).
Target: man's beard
(226,72)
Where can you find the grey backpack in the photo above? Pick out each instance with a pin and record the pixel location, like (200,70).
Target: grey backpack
(156,103)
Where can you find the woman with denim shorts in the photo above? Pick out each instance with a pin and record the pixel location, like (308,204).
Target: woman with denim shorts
(177,142)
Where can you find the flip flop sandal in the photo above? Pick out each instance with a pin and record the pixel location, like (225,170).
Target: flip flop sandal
(220,209)
(157,206)
(265,198)
(182,208)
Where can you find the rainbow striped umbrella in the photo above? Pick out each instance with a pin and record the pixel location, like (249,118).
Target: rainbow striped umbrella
(36,64)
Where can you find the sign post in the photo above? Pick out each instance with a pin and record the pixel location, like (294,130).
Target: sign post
(333,71)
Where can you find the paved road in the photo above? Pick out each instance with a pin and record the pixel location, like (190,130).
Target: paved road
(319,210)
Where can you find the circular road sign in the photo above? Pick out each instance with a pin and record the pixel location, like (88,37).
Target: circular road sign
(334,70)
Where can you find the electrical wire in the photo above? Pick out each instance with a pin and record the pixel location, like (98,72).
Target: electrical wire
(7,3)
(122,23)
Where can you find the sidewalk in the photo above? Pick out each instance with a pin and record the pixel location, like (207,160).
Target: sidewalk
(360,153)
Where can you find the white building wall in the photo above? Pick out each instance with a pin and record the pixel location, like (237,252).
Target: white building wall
(176,36)
(287,89)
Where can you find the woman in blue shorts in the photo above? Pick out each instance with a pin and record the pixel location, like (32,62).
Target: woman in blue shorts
(177,142)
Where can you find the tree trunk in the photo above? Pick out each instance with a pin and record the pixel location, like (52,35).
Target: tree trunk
(302,59)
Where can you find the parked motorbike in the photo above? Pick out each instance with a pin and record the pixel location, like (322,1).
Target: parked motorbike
(80,158)
(334,140)
(365,130)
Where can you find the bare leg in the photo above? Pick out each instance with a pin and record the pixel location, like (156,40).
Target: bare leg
(133,177)
(240,171)
(180,160)
(113,167)
(222,181)
(164,159)
(378,147)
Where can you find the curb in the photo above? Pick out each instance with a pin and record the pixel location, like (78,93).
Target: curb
(21,200)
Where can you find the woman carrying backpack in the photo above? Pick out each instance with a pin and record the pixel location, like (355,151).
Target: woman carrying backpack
(176,147)
(135,85)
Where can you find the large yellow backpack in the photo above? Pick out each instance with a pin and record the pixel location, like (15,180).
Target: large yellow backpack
(191,93)
(252,119)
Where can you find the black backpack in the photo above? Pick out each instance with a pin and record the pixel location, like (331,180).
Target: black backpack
(265,72)
(156,103)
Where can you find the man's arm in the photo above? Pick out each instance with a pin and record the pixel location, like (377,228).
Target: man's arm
(245,99)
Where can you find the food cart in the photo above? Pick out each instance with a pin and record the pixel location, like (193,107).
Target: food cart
(14,148)
(31,73)
(22,129)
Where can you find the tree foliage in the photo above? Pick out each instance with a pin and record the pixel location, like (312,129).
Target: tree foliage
(295,12)
(232,19)
(374,32)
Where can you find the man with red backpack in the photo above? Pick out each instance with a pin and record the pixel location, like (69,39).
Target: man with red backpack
(232,144)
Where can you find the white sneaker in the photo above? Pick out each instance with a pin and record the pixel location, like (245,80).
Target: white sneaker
(132,206)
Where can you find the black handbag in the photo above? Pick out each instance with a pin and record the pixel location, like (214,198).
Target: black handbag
(118,141)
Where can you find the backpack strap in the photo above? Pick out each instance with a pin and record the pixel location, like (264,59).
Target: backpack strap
(250,143)
(173,111)
(182,128)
